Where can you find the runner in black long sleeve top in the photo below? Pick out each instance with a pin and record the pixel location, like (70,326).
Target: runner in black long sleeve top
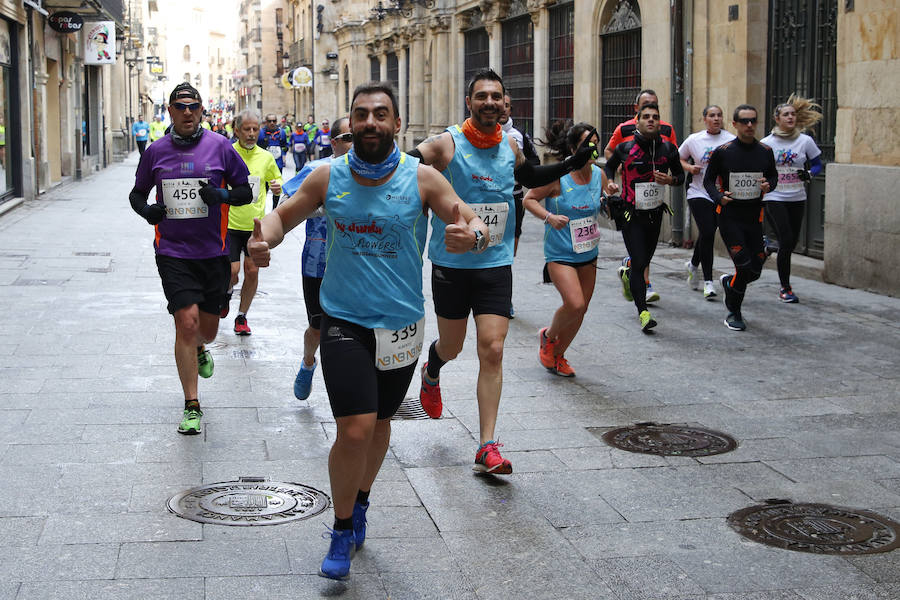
(648,163)
(746,171)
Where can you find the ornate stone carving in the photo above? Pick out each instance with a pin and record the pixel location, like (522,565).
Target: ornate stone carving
(470,19)
(494,10)
(624,18)
(517,8)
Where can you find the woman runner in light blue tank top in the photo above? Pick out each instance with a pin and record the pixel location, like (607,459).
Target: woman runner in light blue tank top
(571,233)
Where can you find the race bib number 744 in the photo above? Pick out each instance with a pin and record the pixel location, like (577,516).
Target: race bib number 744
(398,348)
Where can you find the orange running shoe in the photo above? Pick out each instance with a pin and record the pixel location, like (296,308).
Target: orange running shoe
(562,367)
(545,354)
(488,460)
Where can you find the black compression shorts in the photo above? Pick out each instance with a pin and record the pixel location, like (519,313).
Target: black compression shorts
(194,281)
(481,291)
(355,386)
(311,287)
(237,243)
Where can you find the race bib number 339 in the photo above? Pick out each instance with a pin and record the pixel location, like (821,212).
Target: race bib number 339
(182,198)
(398,348)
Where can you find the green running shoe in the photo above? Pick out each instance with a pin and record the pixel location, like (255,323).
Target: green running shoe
(626,284)
(204,362)
(190,423)
(647,322)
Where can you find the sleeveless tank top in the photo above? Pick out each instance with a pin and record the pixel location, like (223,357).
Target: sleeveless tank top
(376,236)
(580,203)
(483,179)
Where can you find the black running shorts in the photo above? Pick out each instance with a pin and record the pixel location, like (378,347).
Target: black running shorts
(311,287)
(237,243)
(187,281)
(482,291)
(355,386)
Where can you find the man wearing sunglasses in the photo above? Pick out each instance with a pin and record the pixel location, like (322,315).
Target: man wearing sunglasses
(273,140)
(312,261)
(197,176)
(745,169)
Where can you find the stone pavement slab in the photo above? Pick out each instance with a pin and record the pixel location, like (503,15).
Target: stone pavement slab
(89,455)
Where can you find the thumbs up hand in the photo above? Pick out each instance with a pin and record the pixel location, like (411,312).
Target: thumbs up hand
(458,238)
(257,246)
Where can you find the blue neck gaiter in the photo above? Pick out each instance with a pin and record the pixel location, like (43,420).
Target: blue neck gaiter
(376,171)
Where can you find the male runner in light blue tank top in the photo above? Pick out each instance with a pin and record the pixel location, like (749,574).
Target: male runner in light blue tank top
(483,164)
(375,199)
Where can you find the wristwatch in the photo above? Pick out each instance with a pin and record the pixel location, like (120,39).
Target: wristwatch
(481,241)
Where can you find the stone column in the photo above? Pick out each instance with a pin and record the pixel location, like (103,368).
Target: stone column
(440,73)
(382,60)
(541,20)
(493,12)
(401,83)
(415,129)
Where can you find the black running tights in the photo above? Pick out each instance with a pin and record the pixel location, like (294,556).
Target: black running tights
(704,213)
(786,218)
(742,233)
(641,234)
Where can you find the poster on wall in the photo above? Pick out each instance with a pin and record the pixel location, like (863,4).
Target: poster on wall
(99,43)
(4,42)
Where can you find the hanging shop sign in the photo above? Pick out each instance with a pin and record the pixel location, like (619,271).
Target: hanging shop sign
(66,21)
(301,77)
(100,43)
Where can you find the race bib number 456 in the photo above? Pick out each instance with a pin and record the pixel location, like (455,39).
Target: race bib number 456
(182,198)
(398,348)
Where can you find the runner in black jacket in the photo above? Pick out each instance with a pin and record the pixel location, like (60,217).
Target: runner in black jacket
(648,163)
(745,170)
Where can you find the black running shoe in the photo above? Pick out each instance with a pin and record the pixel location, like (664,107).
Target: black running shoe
(735,322)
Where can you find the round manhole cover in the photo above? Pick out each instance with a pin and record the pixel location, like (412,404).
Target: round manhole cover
(817,528)
(249,501)
(410,408)
(669,440)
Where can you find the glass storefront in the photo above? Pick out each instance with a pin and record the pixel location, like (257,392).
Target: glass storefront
(7,170)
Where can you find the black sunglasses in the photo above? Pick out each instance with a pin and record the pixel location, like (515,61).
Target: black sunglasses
(182,106)
(747,120)
(344,137)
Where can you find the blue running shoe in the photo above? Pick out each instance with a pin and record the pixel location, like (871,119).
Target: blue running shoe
(303,381)
(337,562)
(359,523)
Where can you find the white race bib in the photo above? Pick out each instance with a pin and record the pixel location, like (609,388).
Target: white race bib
(585,234)
(299,147)
(789,180)
(494,216)
(275,151)
(395,349)
(182,198)
(745,186)
(649,195)
(253,180)
(142,132)
(325,140)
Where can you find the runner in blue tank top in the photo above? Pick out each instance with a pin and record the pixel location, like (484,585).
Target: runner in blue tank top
(375,199)
(571,234)
(483,165)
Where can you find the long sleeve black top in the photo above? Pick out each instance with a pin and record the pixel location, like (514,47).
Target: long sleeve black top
(738,157)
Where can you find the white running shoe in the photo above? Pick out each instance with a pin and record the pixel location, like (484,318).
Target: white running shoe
(652,296)
(692,279)
(709,290)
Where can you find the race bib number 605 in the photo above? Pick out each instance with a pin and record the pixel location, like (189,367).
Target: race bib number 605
(398,348)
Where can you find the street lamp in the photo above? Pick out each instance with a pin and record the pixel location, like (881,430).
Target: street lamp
(131,59)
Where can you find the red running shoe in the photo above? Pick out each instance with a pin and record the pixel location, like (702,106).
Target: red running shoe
(488,460)
(562,367)
(240,325)
(430,397)
(546,352)
(227,306)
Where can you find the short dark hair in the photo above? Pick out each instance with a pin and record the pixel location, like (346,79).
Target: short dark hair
(637,99)
(376,87)
(741,107)
(706,108)
(652,105)
(488,74)
(336,125)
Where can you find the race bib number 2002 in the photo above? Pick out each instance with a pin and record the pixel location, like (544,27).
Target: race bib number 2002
(745,186)
(398,348)
(182,198)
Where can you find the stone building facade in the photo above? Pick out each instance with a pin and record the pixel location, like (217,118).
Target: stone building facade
(587,59)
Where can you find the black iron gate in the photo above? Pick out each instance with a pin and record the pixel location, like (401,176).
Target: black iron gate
(803,59)
(620,78)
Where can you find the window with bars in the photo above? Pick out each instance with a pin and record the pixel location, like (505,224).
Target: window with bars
(518,70)
(393,71)
(374,69)
(562,62)
(620,79)
(477,57)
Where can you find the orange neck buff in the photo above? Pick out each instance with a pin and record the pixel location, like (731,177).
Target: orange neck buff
(479,139)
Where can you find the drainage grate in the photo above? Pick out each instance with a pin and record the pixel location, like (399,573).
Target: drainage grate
(669,440)
(249,501)
(38,282)
(410,409)
(237,353)
(816,528)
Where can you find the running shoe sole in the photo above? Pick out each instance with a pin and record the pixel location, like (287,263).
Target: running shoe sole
(501,469)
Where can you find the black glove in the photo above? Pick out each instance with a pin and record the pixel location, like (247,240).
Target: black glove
(803,174)
(212,195)
(580,158)
(154,213)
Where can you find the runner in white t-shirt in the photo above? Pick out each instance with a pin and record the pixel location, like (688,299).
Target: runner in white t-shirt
(785,205)
(694,153)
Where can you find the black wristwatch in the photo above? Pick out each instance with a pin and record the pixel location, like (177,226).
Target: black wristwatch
(481,241)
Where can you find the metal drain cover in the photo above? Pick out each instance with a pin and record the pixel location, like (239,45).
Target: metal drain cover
(816,528)
(669,440)
(410,409)
(249,501)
